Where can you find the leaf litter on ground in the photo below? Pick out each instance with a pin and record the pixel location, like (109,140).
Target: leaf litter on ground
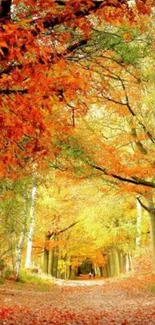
(124,301)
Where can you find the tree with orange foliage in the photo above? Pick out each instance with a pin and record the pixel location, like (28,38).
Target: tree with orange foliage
(117,139)
(38,81)
(42,88)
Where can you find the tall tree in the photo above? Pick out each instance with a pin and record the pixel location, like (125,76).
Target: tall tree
(38,81)
(118,138)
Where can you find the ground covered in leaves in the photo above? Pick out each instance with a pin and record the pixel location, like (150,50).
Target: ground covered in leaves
(122,301)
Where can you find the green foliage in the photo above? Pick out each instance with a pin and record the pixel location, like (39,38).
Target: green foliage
(152,288)
(42,284)
(128,45)
(128,53)
(7,273)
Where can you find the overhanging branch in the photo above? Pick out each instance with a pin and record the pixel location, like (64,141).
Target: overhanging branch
(142,204)
(133,180)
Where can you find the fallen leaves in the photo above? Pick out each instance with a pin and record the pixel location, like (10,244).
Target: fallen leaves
(118,302)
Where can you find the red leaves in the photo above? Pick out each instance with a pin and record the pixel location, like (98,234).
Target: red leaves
(119,302)
(3,313)
(53,316)
(143,7)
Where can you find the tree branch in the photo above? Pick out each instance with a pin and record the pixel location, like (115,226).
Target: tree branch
(56,233)
(142,204)
(13,91)
(133,180)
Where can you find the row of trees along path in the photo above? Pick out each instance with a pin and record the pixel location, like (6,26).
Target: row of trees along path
(76,96)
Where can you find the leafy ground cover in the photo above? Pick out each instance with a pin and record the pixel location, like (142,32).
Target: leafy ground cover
(119,302)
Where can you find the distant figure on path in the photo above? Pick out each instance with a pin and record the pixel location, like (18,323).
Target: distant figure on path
(94,274)
(90,274)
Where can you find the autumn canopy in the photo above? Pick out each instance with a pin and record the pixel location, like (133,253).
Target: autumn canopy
(76,104)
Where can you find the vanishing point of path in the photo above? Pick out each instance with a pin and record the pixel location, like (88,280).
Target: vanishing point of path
(88,302)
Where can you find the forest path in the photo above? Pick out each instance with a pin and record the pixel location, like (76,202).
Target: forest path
(118,302)
(80,282)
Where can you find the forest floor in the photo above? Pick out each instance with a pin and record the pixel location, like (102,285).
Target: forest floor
(127,300)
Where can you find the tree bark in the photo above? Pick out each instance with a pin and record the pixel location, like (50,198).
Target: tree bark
(21,239)
(150,208)
(55,262)
(31,226)
(101,270)
(46,253)
(19,253)
(139,218)
(116,262)
(152,218)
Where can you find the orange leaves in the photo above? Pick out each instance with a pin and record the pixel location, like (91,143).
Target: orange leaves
(144,7)
(85,26)
(95,304)
(41,78)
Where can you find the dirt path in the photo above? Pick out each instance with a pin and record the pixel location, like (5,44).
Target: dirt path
(93,302)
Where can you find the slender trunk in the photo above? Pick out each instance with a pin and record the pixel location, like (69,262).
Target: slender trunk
(111,265)
(52,261)
(101,270)
(12,250)
(55,262)
(128,265)
(121,261)
(46,261)
(19,253)
(21,239)
(105,271)
(130,262)
(67,277)
(139,218)
(49,261)
(150,208)
(116,262)
(46,253)
(31,226)
(69,272)
(152,218)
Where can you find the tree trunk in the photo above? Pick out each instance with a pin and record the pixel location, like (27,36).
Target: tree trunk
(19,253)
(21,239)
(31,226)
(55,262)
(116,262)
(52,261)
(46,261)
(49,261)
(101,270)
(150,208)
(111,265)
(152,218)
(128,265)
(139,218)
(46,253)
